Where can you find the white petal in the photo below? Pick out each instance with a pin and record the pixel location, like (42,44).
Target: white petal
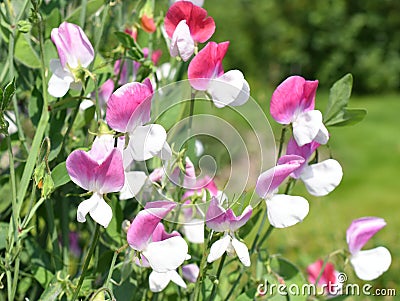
(241,251)
(176,278)
(194,231)
(166,152)
(322,135)
(101,213)
(229,89)
(286,210)
(146,141)
(370,264)
(87,205)
(322,178)
(306,126)
(58,87)
(158,281)
(182,43)
(218,248)
(166,255)
(134,181)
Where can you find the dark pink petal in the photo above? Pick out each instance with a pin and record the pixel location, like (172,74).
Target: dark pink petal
(142,227)
(121,71)
(216,218)
(110,175)
(129,106)
(328,276)
(304,151)
(293,96)
(361,230)
(201,27)
(82,169)
(73,46)
(238,221)
(270,180)
(160,234)
(207,64)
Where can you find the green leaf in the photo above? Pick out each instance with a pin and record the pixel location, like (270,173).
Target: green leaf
(3,234)
(35,106)
(43,276)
(24,26)
(134,51)
(52,291)
(248,295)
(7,94)
(348,117)
(56,133)
(25,53)
(91,7)
(38,174)
(338,97)
(291,276)
(48,185)
(60,175)
(53,20)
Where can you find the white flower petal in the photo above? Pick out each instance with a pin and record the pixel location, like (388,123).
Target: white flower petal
(306,126)
(176,278)
(166,255)
(229,89)
(87,205)
(58,86)
(218,248)
(322,178)
(322,135)
(166,152)
(370,264)
(286,210)
(158,281)
(182,43)
(146,141)
(134,181)
(194,231)
(241,251)
(101,213)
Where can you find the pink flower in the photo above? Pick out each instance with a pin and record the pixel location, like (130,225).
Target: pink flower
(132,31)
(195,2)
(293,102)
(368,264)
(329,277)
(283,210)
(190,272)
(75,52)
(221,220)
(99,171)
(128,110)
(163,252)
(320,178)
(187,24)
(206,73)
(147,23)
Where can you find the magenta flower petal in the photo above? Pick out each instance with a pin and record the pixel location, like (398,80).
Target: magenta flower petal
(81,168)
(129,106)
(142,227)
(73,46)
(216,217)
(110,173)
(361,230)
(238,221)
(270,180)
(160,234)
(293,96)
(201,26)
(328,276)
(105,92)
(304,151)
(207,64)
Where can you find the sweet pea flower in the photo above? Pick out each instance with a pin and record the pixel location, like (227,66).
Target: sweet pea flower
(329,277)
(320,178)
(190,272)
(147,23)
(128,109)
(163,252)
(186,25)
(99,171)
(195,2)
(368,264)
(75,52)
(283,210)
(205,73)
(221,220)
(293,102)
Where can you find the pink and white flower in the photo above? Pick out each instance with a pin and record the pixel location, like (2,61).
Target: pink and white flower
(283,210)
(368,264)
(163,252)
(128,110)
(99,171)
(186,25)
(320,178)
(329,277)
(221,220)
(293,101)
(75,52)
(206,73)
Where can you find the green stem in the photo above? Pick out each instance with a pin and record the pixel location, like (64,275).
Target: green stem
(83,13)
(281,141)
(93,245)
(215,284)
(325,263)
(113,264)
(266,235)
(202,266)
(253,247)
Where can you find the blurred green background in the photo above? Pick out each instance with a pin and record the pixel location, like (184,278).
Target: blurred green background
(324,40)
